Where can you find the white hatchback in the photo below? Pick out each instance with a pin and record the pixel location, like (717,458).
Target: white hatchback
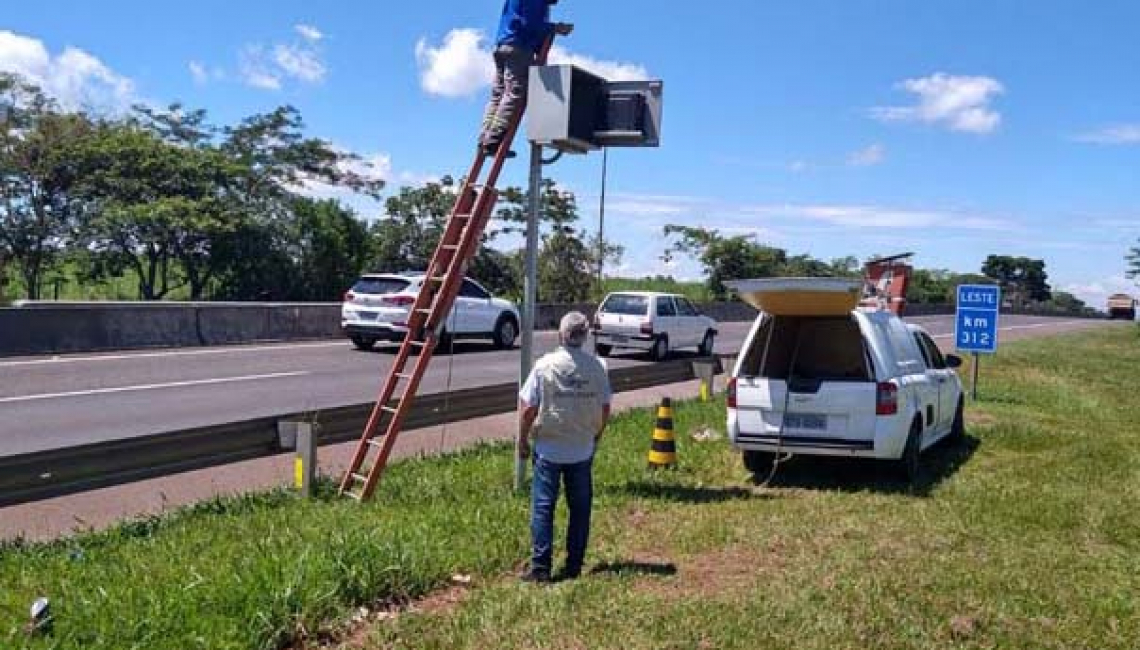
(653,322)
(378,306)
(817,376)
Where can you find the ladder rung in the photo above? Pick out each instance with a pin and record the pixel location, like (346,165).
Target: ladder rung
(360,477)
(439,278)
(403,375)
(423,311)
(389,409)
(466,215)
(352,495)
(449,247)
(375,443)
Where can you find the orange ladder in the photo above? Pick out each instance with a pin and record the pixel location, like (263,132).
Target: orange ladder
(459,243)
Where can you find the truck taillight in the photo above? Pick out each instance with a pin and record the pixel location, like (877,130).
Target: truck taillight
(731,399)
(886,399)
(399,301)
(647,328)
(349,296)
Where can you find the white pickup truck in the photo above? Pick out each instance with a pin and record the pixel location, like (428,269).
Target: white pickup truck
(818,376)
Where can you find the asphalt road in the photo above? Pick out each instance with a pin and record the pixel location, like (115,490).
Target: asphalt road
(56,402)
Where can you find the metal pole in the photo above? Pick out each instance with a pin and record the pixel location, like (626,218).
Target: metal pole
(530,287)
(974,387)
(602,223)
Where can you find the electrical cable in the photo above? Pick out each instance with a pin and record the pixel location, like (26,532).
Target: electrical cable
(776,459)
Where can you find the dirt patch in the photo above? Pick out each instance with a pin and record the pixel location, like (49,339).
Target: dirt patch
(356,632)
(977,419)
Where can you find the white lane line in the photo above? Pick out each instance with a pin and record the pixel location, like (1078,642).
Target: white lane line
(174,353)
(1020,327)
(127,389)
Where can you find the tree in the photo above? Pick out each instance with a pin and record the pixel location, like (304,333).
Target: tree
(333,248)
(406,236)
(153,204)
(1022,277)
(38,210)
(726,258)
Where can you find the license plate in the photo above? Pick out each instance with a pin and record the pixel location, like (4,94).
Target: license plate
(618,338)
(367,315)
(809,421)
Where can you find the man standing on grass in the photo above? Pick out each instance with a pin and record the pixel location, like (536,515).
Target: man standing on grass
(523,29)
(565,404)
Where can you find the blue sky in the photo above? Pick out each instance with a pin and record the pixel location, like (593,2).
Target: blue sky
(953,130)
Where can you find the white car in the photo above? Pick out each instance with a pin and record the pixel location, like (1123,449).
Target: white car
(816,376)
(378,306)
(653,322)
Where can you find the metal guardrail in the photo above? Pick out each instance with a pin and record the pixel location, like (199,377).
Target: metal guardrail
(58,472)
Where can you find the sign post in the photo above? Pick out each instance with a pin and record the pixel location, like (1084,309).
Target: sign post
(976,323)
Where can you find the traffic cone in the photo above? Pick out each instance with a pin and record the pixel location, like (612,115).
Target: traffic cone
(663,452)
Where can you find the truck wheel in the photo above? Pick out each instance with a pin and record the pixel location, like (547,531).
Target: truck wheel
(910,462)
(660,349)
(362,342)
(958,429)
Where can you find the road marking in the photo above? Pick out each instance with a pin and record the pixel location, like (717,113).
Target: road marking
(127,389)
(173,353)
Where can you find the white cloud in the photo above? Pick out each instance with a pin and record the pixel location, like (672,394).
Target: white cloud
(309,33)
(460,67)
(462,64)
(1115,134)
(868,156)
(299,62)
(959,103)
(199,72)
(74,78)
(866,216)
(269,68)
(1095,293)
(611,70)
(798,166)
(257,71)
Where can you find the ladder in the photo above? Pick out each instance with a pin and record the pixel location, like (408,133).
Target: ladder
(442,281)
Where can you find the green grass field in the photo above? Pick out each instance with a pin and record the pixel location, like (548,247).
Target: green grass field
(1025,537)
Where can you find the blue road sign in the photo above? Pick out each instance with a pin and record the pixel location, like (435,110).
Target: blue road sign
(976,320)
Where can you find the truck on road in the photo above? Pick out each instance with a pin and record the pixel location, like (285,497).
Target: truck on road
(1121,305)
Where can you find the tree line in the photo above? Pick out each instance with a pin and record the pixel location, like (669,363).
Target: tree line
(184,208)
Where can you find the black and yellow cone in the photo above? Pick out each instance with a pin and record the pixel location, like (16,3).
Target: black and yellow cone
(663,453)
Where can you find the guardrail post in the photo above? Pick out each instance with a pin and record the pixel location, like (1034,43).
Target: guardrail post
(301,437)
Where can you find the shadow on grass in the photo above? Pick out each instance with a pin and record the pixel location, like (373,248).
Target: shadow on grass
(684,493)
(635,568)
(939,463)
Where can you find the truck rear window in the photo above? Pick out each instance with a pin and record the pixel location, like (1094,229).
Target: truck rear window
(808,348)
(380,286)
(626,305)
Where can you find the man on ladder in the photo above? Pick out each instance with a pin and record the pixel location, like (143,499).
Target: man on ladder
(524,28)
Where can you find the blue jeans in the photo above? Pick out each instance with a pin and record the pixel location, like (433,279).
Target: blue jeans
(579,481)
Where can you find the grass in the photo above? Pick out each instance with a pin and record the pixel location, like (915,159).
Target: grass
(1027,536)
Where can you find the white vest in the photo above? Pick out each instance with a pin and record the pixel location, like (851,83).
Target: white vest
(574,389)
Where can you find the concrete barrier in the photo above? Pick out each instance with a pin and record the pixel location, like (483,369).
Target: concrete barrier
(61,327)
(44,327)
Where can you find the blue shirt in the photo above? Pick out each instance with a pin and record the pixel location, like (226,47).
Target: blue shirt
(525,24)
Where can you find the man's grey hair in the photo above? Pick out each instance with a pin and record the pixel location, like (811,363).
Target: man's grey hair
(574,329)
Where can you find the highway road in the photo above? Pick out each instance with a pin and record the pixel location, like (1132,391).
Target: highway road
(56,402)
